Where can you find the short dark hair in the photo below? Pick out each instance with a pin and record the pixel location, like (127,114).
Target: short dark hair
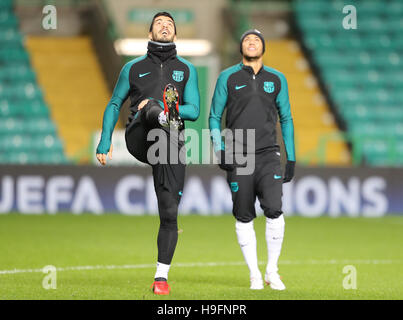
(164,14)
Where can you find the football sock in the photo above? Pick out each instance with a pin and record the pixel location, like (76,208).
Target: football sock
(162,272)
(274,239)
(160,279)
(162,119)
(247,241)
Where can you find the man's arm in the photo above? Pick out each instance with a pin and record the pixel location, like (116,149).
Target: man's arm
(218,104)
(190,109)
(111,114)
(286,122)
(287,128)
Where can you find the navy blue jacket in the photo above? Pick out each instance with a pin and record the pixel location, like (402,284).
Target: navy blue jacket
(145,78)
(253,102)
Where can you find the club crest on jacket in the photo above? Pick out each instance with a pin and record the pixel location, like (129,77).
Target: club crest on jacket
(177,75)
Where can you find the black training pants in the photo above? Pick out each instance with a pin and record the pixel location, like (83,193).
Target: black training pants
(265,182)
(168,177)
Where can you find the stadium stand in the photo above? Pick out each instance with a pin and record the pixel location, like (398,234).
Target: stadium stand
(69,72)
(28,134)
(362,71)
(312,117)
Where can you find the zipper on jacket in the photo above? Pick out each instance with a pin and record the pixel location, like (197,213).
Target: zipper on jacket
(161,72)
(254,82)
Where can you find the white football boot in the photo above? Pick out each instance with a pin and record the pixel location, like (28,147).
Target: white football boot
(273,279)
(256,283)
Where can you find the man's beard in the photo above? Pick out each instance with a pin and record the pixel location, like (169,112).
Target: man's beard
(163,40)
(250,59)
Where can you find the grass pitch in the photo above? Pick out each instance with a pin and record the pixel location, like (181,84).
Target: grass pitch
(113,257)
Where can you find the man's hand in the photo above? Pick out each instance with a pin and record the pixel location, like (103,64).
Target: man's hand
(142,104)
(102,156)
(289,171)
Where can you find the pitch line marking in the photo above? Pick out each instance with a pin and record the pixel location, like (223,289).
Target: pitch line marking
(201,264)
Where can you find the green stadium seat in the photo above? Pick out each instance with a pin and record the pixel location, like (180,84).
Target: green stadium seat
(35,108)
(45,143)
(40,148)
(330,58)
(14,43)
(359,113)
(382,59)
(9,35)
(362,69)
(364,79)
(7,110)
(39,126)
(369,8)
(11,125)
(23,108)
(8,21)
(21,158)
(377,160)
(399,148)
(398,97)
(377,128)
(6,4)
(375,147)
(372,24)
(319,41)
(395,76)
(392,156)
(337,75)
(394,9)
(17,74)
(54,157)
(377,42)
(29,90)
(15,142)
(363,96)
(5,15)
(15,55)
(342,95)
(396,41)
(394,25)
(306,6)
(364,129)
(27,134)
(347,42)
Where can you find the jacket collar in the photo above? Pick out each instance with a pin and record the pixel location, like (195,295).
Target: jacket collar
(160,52)
(250,69)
